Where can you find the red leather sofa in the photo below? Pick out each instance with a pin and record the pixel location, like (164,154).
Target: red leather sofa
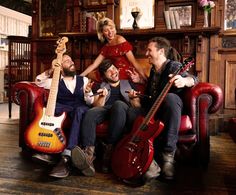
(194,138)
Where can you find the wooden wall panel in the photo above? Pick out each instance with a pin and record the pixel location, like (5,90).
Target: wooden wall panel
(230,84)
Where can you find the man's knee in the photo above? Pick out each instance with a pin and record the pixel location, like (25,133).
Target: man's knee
(173,100)
(90,114)
(119,105)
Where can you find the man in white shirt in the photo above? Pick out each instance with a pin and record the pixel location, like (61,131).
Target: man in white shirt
(73,97)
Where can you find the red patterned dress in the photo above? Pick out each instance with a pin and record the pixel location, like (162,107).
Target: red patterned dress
(116,53)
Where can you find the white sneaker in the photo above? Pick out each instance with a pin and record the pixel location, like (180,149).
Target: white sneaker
(168,169)
(153,172)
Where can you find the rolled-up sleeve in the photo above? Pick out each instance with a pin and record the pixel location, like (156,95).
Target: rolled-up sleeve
(87,96)
(43,80)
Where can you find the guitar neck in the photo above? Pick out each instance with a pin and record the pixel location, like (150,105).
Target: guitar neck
(158,101)
(51,104)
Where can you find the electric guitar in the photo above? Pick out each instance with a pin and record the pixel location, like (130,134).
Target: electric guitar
(133,155)
(44,134)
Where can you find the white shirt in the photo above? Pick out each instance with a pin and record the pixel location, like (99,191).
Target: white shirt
(44,81)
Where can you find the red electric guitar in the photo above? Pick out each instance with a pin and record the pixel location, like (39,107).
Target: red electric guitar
(44,134)
(134,153)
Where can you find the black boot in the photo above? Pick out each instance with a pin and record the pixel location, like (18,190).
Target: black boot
(62,169)
(106,161)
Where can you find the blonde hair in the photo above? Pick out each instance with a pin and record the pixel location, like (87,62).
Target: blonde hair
(100,25)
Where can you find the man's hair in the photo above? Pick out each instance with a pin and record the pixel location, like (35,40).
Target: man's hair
(104,66)
(170,52)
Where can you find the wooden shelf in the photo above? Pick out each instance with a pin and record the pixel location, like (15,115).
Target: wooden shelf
(227,50)
(95,8)
(144,33)
(228,33)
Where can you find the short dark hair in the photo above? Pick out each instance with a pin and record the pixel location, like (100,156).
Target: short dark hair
(104,66)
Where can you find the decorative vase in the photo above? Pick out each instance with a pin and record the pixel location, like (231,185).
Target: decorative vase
(206,20)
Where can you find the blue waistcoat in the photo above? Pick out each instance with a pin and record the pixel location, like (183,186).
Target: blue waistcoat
(64,96)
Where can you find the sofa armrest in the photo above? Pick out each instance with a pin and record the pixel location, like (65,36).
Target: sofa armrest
(213,90)
(24,94)
(28,88)
(200,101)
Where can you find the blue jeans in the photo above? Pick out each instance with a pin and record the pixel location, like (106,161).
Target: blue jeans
(116,116)
(170,114)
(76,114)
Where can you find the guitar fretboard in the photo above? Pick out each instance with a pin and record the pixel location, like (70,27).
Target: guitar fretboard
(51,104)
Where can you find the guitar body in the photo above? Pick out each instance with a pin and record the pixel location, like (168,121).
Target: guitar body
(44,134)
(131,159)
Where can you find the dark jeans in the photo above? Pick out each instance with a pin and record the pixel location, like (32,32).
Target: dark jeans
(115,114)
(170,114)
(76,114)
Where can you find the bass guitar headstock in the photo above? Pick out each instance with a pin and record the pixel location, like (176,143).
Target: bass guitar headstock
(60,50)
(61,45)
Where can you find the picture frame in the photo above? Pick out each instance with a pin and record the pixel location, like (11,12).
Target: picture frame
(185,14)
(145,19)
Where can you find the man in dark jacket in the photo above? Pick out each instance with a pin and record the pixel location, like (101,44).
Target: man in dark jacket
(163,59)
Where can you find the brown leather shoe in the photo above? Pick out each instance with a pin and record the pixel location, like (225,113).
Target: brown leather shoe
(62,169)
(44,158)
(83,160)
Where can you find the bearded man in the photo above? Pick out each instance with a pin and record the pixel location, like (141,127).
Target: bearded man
(74,99)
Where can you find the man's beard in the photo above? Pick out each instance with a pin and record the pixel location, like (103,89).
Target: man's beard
(69,73)
(111,81)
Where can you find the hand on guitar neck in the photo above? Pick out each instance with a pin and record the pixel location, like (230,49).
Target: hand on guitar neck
(60,50)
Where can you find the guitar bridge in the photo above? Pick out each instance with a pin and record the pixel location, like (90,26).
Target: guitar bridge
(44,144)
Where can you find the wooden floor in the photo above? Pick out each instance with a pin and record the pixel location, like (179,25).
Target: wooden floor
(20,175)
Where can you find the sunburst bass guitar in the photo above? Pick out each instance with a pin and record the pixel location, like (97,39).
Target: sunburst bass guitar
(45,134)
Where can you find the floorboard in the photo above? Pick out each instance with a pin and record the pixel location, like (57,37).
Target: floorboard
(21,175)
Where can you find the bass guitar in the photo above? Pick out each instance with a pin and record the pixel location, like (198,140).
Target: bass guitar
(133,155)
(45,134)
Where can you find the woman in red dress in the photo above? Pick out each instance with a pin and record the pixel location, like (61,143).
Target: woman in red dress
(117,49)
